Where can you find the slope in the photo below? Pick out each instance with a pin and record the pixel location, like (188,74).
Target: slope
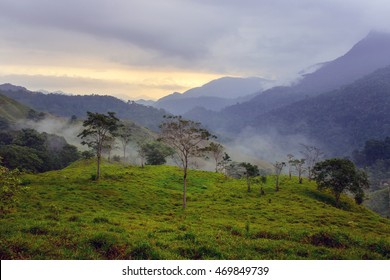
(135,213)
(78,105)
(12,110)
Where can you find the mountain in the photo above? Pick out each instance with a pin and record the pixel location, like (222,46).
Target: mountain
(368,55)
(77,105)
(341,120)
(214,95)
(12,110)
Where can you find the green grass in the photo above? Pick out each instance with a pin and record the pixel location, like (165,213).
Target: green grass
(136,213)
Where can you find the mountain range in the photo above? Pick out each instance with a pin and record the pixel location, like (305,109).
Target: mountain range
(338,106)
(214,95)
(77,105)
(311,107)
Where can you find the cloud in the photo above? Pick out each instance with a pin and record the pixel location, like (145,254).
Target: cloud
(273,39)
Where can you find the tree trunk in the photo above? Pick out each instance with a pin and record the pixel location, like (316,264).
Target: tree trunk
(337,195)
(248,183)
(185,188)
(277,183)
(98,167)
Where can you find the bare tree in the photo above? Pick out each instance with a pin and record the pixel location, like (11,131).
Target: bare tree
(290,159)
(278,170)
(312,155)
(124,135)
(216,150)
(188,139)
(299,165)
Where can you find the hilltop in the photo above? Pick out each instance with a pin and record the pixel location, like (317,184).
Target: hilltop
(135,213)
(77,105)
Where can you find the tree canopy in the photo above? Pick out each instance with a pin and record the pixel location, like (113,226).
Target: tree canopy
(99,131)
(340,175)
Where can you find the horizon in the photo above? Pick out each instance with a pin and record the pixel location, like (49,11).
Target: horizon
(148,50)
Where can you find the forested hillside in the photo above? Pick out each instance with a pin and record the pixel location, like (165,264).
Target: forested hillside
(78,105)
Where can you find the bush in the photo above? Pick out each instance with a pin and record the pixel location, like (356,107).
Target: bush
(9,188)
(143,251)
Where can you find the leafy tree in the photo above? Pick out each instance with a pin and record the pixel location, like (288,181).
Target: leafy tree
(188,139)
(250,171)
(21,157)
(156,152)
(69,154)
(340,175)
(224,163)
(31,138)
(87,154)
(99,128)
(278,170)
(9,188)
(216,150)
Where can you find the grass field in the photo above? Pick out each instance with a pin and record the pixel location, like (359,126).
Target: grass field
(136,213)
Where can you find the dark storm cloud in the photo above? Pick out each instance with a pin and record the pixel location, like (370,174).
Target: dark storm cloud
(248,36)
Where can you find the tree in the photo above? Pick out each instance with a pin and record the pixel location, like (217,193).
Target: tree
(312,155)
(299,165)
(224,163)
(124,134)
(141,153)
(9,188)
(290,160)
(188,139)
(99,128)
(278,170)
(216,151)
(340,175)
(250,171)
(155,152)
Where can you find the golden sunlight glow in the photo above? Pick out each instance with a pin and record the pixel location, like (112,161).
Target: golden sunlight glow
(123,82)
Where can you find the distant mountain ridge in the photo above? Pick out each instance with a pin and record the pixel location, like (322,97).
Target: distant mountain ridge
(214,95)
(68,105)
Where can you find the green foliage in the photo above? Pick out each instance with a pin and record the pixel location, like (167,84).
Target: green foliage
(99,133)
(155,152)
(87,154)
(10,187)
(340,175)
(31,151)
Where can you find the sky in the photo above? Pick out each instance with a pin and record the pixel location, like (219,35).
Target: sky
(148,49)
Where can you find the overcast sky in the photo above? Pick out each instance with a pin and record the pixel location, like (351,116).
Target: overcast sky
(132,48)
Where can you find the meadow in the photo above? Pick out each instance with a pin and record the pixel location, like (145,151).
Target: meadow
(136,213)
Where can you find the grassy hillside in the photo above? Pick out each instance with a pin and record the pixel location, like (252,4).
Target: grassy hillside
(12,110)
(135,213)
